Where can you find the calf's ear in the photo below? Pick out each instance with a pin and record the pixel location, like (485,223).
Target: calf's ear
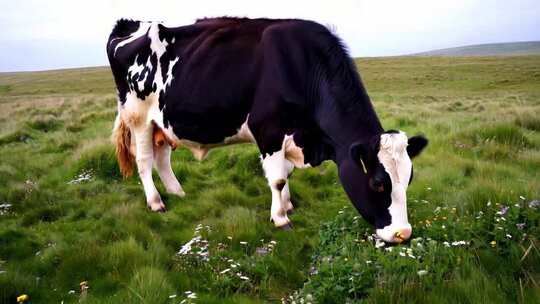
(415,145)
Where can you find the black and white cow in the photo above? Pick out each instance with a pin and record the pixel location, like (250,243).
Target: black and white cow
(288,86)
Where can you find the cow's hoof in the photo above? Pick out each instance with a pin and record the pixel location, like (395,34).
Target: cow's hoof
(157,207)
(179,193)
(286,227)
(175,189)
(290,208)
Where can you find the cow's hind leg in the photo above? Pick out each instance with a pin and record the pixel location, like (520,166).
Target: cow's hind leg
(163,167)
(277,170)
(145,157)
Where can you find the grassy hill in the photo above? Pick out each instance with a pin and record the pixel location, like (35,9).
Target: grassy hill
(66,215)
(491,49)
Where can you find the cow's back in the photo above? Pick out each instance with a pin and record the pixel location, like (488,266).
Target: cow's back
(215,71)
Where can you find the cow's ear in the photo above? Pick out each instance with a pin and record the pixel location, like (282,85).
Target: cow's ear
(359,153)
(416,145)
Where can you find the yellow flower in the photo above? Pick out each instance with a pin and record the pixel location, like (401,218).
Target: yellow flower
(493,243)
(22,298)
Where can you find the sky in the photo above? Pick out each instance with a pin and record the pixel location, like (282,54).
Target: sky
(51,34)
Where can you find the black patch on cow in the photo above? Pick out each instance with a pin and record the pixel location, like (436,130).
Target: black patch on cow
(280,184)
(124,27)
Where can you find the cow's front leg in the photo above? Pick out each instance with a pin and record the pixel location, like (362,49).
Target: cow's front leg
(163,166)
(145,158)
(277,169)
(286,197)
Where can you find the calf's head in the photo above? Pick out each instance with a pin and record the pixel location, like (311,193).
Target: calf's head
(376,176)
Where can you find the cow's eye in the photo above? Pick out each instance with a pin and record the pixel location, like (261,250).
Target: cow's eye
(376,185)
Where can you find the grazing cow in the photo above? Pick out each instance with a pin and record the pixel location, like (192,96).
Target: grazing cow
(288,86)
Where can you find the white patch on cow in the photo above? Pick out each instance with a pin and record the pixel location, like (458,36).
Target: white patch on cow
(294,153)
(170,76)
(393,156)
(141,31)
(136,68)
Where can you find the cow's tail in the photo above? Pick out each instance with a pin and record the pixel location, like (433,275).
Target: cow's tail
(121,138)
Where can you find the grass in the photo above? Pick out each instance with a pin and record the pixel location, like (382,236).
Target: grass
(66,216)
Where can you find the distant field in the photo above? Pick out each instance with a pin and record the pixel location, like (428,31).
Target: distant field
(66,215)
(491,49)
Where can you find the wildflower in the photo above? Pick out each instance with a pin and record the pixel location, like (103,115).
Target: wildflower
(389,249)
(4,208)
(172,296)
(84,286)
(460,243)
(509,236)
(402,254)
(520,226)
(522,197)
(243,243)
(446,244)
(369,262)
(503,210)
(534,204)
(225,271)
(229,237)
(244,278)
(22,298)
(71,291)
(422,272)
(262,250)
(85,176)
(379,243)
(493,243)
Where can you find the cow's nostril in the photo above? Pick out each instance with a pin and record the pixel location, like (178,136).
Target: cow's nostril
(402,235)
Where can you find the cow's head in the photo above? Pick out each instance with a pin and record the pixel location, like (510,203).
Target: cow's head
(376,176)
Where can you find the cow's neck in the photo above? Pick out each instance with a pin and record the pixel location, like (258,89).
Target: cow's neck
(346,123)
